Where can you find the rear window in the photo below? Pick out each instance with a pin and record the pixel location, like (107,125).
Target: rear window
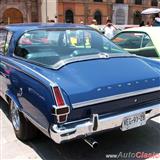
(50,46)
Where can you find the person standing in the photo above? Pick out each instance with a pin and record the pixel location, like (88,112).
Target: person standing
(148,24)
(94,24)
(81,22)
(109,29)
(156,21)
(142,24)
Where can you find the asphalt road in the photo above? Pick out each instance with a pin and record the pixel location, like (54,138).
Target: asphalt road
(143,140)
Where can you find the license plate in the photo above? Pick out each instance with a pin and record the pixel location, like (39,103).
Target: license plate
(133,121)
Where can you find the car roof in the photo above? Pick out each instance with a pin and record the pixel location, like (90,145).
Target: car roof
(31,26)
(151,31)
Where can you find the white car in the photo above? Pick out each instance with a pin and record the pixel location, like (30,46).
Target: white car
(143,41)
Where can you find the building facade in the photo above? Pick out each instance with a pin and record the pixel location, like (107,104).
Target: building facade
(120,11)
(20,11)
(49,10)
(74,11)
(24,11)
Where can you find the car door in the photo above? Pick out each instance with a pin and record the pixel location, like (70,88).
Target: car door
(5,37)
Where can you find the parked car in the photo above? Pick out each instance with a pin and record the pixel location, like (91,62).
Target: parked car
(118,28)
(75,83)
(142,41)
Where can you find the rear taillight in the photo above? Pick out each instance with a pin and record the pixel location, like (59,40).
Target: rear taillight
(60,109)
(58,96)
(62,118)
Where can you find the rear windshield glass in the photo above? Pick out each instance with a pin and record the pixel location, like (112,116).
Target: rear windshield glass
(50,46)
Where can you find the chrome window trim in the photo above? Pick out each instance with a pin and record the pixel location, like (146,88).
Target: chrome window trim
(114,97)
(101,55)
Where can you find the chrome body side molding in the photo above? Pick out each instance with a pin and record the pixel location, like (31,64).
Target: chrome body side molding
(114,97)
(36,124)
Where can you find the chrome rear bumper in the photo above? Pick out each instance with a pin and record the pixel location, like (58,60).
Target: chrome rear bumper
(96,124)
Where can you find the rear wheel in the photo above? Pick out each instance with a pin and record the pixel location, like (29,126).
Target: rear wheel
(24,130)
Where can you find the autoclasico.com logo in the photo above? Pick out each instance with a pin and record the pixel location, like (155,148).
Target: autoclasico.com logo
(137,155)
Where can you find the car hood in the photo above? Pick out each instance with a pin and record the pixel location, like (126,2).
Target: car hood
(94,79)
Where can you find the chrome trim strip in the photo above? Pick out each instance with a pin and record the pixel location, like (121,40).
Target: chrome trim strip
(60,107)
(76,130)
(61,63)
(102,55)
(22,65)
(114,97)
(35,123)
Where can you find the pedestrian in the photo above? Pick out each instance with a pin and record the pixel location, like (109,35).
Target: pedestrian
(94,24)
(109,29)
(56,19)
(51,21)
(148,24)
(142,24)
(156,21)
(1,22)
(81,22)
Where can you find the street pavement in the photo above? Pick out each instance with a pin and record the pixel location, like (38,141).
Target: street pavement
(145,139)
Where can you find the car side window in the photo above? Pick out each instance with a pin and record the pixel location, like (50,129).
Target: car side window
(147,41)
(148,49)
(137,43)
(3,38)
(129,40)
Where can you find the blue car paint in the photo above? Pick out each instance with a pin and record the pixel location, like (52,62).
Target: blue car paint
(31,94)
(79,81)
(86,80)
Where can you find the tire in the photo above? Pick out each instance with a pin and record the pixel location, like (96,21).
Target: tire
(23,129)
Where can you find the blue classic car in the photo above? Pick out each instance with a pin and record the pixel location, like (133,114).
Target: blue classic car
(69,81)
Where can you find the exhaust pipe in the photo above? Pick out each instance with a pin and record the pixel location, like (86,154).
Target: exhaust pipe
(91,142)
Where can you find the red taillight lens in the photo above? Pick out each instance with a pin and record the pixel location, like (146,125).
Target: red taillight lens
(62,119)
(58,96)
(60,109)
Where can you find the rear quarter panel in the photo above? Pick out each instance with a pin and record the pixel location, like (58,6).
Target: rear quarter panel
(32,92)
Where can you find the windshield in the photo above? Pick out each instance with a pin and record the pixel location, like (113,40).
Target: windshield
(51,46)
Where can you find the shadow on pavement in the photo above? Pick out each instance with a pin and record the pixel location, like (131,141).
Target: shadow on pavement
(144,139)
